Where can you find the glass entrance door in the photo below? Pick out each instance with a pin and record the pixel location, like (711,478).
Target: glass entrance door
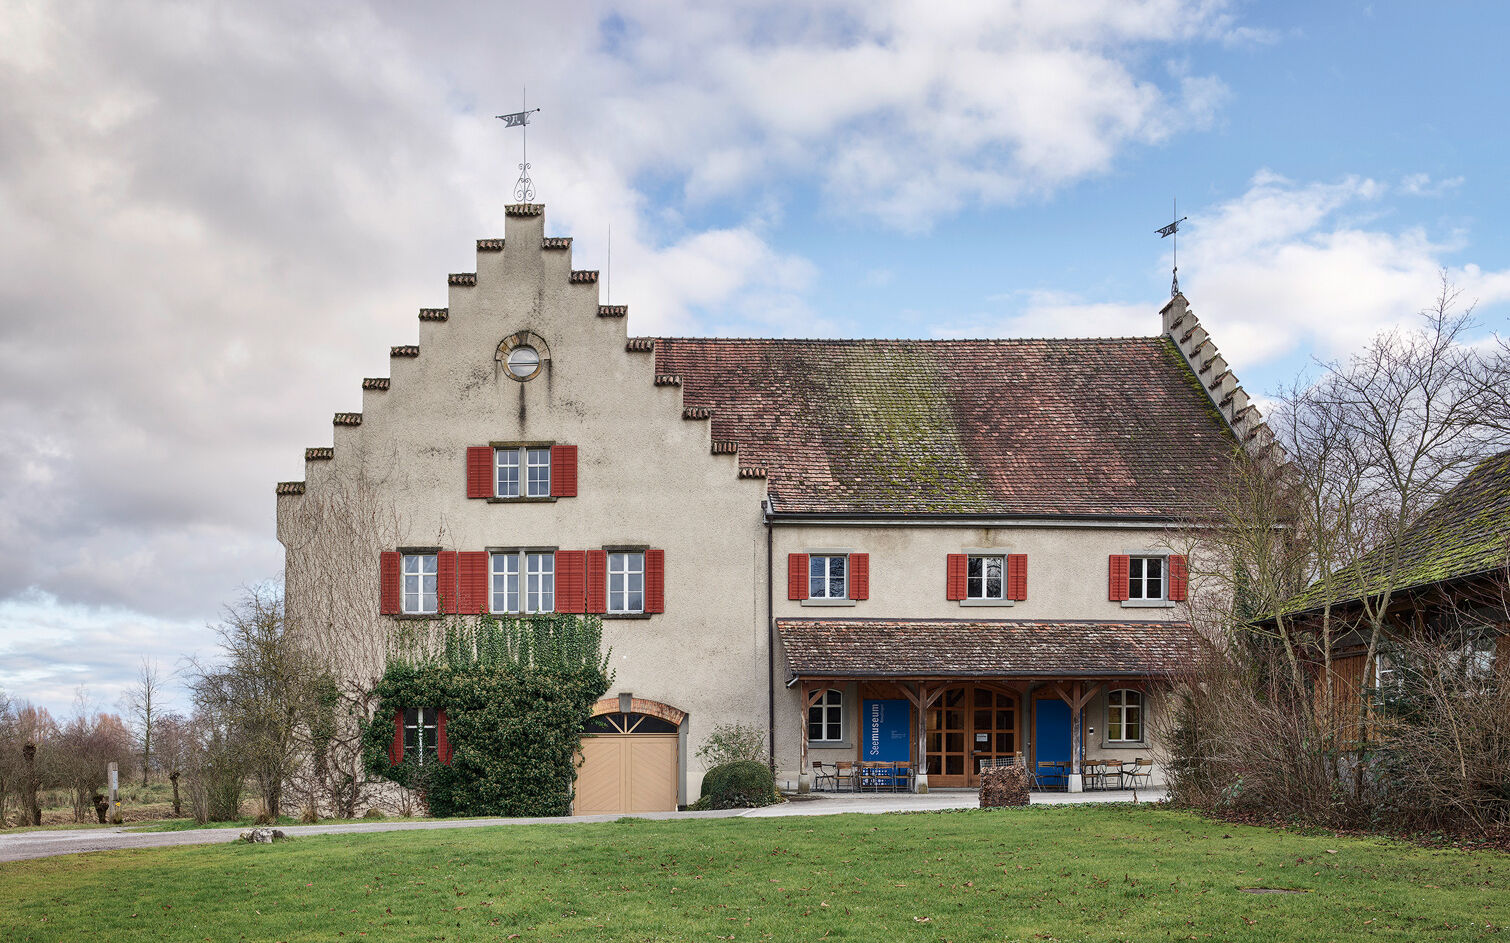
(967,725)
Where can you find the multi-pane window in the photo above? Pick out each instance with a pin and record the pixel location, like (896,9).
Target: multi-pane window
(421,736)
(1124,716)
(985,577)
(523,582)
(523,472)
(825,718)
(419,574)
(1145,578)
(827,576)
(626,582)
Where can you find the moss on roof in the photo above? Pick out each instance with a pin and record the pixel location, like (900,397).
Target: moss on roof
(1466,533)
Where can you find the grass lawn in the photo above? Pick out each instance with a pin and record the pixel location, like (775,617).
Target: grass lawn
(1041,873)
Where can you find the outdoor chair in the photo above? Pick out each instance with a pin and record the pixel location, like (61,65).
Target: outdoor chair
(901,777)
(1106,773)
(1139,774)
(823,774)
(844,774)
(1051,775)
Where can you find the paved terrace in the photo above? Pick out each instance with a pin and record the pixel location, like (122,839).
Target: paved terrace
(47,843)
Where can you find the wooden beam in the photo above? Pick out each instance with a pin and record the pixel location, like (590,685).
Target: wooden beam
(920,703)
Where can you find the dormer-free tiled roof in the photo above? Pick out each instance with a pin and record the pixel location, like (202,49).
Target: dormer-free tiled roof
(1101,427)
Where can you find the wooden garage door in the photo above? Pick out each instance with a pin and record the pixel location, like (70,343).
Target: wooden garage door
(621,773)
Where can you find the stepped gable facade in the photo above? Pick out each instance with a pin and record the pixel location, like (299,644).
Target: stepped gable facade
(937,555)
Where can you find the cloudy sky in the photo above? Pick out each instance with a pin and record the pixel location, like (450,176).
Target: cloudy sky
(216,217)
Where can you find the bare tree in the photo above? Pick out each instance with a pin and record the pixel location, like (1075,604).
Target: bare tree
(142,703)
(174,743)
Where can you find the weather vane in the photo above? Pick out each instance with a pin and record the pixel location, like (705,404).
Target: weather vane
(524,187)
(1173,229)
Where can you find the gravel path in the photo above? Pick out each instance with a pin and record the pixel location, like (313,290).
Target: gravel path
(49,843)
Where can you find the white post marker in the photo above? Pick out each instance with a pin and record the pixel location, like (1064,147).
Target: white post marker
(115,793)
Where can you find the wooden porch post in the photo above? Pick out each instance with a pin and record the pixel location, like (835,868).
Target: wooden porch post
(1076,697)
(804,778)
(918,695)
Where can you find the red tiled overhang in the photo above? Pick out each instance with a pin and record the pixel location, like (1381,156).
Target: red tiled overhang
(934,648)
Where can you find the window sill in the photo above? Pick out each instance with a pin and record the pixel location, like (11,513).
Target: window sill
(543,500)
(988,603)
(829,602)
(1124,744)
(415,616)
(1147,604)
(830,745)
(626,615)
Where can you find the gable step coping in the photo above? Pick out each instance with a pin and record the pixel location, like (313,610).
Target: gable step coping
(612,311)
(319,453)
(667,379)
(404,350)
(584,276)
(1219,378)
(524,209)
(434,314)
(490,245)
(375,383)
(752,471)
(348,419)
(290,487)
(462,278)
(725,447)
(697,412)
(556,242)
(640,345)
(1206,364)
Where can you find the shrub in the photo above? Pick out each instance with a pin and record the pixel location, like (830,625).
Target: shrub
(743,784)
(730,743)
(374,814)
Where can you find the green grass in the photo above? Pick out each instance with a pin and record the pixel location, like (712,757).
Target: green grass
(1043,873)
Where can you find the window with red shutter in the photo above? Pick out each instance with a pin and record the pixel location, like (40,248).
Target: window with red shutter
(388,582)
(796,576)
(655,581)
(472,582)
(396,748)
(859,576)
(597,581)
(442,741)
(480,483)
(445,581)
(1017,576)
(1116,588)
(1179,578)
(954,583)
(571,581)
(563,471)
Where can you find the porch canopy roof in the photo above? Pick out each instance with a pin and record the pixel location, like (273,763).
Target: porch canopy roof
(984,648)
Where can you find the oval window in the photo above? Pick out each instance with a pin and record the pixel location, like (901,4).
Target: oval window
(523,362)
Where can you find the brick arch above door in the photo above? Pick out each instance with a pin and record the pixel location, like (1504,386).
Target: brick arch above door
(640,705)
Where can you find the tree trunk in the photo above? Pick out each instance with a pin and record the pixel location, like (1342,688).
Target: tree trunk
(177,807)
(30,784)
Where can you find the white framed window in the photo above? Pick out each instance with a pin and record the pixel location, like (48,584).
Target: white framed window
(421,734)
(522,581)
(986,577)
(1146,578)
(626,582)
(419,578)
(825,717)
(1124,716)
(828,576)
(523,472)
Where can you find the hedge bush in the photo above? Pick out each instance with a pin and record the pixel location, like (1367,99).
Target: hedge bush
(743,784)
(517,695)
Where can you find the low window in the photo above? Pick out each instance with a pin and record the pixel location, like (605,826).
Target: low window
(421,735)
(626,582)
(523,472)
(523,582)
(985,577)
(419,584)
(828,576)
(1145,578)
(825,718)
(1124,717)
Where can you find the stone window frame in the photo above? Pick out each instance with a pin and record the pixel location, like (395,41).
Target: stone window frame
(523,555)
(1163,601)
(403,587)
(827,600)
(987,602)
(842,725)
(1142,711)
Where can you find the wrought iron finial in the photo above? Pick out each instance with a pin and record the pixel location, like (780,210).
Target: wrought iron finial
(1173,229)
(524,187)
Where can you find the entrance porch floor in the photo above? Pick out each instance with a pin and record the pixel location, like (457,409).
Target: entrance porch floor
(834,803)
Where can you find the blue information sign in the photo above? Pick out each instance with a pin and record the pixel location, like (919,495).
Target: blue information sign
(887,728)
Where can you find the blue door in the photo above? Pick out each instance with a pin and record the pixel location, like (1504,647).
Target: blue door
(1051,739)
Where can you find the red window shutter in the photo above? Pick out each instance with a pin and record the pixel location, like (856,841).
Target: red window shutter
(472,582)
(796,576)
(859,576)
(597,581)
(445,581)
(655,581)
(396,748)
(563,471)
(955,583)
(571,580)
(480,480)
(1179,578)
(389,562)
(1017,576)
(442,742)
(1116,589)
